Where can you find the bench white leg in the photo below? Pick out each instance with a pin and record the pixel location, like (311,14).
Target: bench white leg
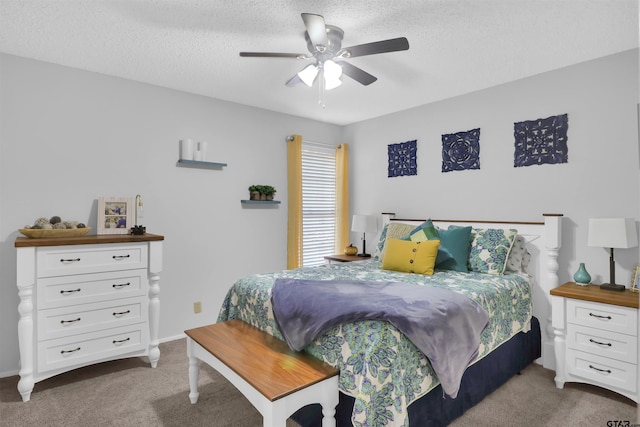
(274,416)
(328,416)
(194,372)
(325,393)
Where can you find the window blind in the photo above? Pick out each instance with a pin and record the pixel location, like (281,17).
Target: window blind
(318,202)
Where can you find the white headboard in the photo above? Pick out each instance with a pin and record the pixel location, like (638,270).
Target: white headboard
(543,242)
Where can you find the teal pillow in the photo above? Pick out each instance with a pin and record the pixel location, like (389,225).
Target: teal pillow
(457,241)
(427,231)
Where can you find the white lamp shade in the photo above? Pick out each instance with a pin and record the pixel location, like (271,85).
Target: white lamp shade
(332,73)
(308,74)
(612,233)
(332,70)
(364,224)
(331,83)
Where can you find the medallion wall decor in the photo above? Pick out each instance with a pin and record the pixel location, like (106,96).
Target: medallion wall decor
(461,151)
(402,159)
(541,141)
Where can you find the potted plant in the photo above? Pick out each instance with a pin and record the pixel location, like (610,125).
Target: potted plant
(268,191)
(254,192)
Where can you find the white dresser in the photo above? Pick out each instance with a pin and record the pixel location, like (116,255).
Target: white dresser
(596,337)
(85,300)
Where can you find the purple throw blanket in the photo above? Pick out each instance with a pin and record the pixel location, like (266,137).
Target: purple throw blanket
(443,324)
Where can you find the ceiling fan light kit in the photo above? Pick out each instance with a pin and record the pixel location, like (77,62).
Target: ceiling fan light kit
(324,43)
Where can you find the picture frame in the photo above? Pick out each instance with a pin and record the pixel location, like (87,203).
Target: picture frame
(115,215)
(635,285)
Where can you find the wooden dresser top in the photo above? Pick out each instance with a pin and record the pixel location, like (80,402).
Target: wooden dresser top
(627,298)
(25,242)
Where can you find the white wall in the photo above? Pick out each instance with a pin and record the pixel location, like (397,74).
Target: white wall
(599,180)
(69,136)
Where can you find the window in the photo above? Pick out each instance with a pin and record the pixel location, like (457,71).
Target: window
(318,202)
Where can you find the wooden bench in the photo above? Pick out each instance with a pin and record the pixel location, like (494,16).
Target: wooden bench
(276,380)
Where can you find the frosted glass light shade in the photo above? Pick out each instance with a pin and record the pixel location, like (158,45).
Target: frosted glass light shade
(332,73)
(331,83)
(308,74)
(612,233)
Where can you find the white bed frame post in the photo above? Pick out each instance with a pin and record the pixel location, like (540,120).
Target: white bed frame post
(552,243)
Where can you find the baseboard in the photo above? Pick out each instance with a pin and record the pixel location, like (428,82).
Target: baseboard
(548,356)
(172,338)
(6,374)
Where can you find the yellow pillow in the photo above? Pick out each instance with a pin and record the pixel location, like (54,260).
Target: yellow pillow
(410,257)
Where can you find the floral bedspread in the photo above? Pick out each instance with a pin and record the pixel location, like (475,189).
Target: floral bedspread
(378,365)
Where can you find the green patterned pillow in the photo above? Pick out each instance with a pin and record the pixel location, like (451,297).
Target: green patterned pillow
(519,257)
(490,248)
(383,235)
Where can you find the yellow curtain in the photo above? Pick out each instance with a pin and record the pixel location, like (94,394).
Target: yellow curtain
(342,198)
(294,228)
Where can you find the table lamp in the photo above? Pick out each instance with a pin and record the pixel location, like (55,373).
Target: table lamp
(364,224)
(612,233)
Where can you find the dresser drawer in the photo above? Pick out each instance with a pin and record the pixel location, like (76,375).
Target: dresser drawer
(87,288)
(603,316)
(61,260)
(603,343)
(80,319)
(91,348)
(600,370)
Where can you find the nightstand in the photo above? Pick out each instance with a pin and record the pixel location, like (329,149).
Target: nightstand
(344,258)
(596,337)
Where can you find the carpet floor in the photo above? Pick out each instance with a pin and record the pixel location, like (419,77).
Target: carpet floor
(129,393)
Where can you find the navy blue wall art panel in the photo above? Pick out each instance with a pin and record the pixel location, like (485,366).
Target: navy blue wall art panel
(461,151)
(402,159)
(541,141)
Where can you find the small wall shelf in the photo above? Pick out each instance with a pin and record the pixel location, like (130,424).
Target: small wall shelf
(200,164)
(260,202)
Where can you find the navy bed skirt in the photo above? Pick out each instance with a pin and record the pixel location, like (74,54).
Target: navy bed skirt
(478,381)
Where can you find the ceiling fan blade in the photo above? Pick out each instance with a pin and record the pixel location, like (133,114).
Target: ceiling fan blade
(357,74)
(295,80)
(315,29)
(270,55)
(391,45)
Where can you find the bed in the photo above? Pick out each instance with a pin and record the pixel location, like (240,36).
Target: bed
(385,380)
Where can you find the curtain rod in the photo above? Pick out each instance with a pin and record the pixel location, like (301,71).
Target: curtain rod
(322,144)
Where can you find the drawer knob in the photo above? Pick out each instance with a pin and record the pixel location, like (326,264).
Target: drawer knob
(599,343)
(599,316)
(70,291)
(600,370)
(121,313)
(119,257)
(120,285)
(69,259)
(70,321)
(121,341)
(69,351)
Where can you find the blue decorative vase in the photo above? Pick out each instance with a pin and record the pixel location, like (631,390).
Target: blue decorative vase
(582,276)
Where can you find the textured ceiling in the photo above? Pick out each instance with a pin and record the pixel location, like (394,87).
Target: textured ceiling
(456,46)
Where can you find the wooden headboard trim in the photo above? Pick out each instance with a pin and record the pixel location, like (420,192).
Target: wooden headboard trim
(470,221)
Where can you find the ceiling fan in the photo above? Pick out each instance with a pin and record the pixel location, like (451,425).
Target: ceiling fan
(325,46)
